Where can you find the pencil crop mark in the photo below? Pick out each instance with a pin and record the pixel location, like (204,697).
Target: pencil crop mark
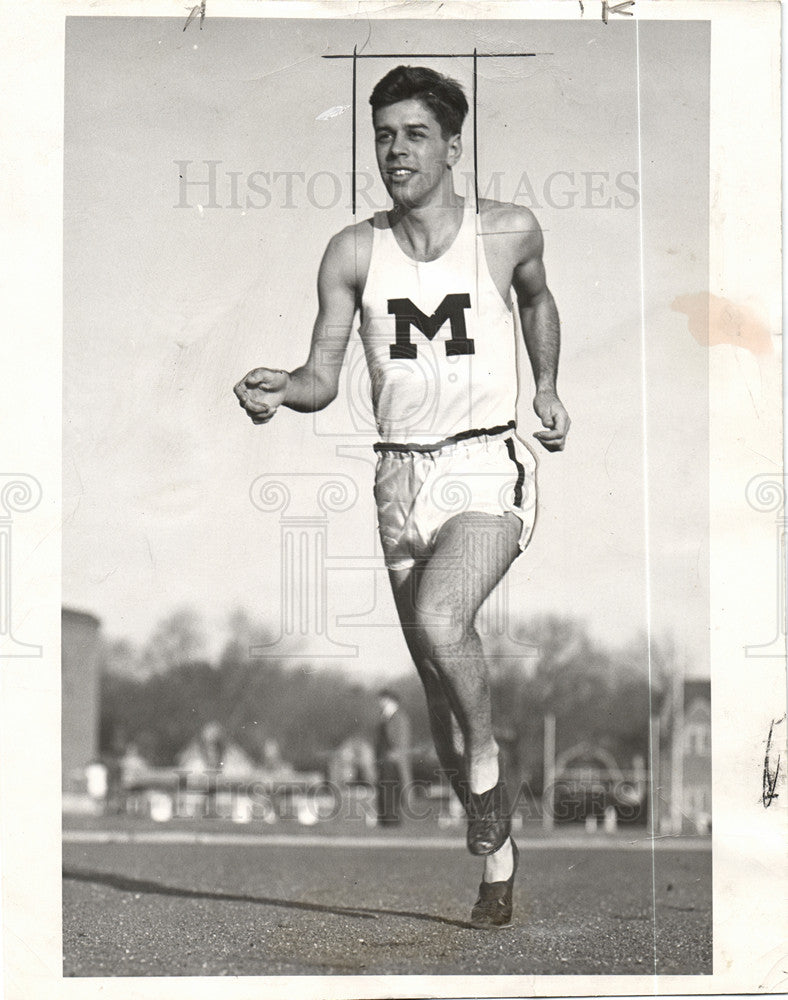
(197,9)
(619,8)
(770,776)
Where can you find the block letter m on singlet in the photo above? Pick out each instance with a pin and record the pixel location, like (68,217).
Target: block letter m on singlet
(407,314)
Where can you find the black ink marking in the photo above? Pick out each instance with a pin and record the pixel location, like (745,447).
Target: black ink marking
(770,777)
(618,8)
(582,8)
(353,170)
(475,145)
(437,55)
(198,9)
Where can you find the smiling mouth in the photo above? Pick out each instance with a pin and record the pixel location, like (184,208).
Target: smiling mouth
(400,173)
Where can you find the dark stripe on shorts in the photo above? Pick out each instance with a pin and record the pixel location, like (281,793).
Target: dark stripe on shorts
(382,446)
(518,486)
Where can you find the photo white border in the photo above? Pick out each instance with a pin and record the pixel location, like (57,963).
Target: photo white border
(750,855)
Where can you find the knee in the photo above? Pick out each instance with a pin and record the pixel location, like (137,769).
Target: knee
(440,632)
(434,685)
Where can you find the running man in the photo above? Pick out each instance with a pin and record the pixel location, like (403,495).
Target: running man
(432,282)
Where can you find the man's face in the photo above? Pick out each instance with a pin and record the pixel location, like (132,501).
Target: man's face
(411,151)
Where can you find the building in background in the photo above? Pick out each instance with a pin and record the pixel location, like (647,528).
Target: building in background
(681,736)
(585,781)
(683,777)
(80,644)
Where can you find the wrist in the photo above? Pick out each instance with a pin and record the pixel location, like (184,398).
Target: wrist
(286,387)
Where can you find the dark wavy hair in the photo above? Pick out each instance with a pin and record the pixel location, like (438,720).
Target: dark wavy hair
(443,96)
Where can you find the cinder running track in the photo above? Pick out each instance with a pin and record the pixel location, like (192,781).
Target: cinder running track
(227,903)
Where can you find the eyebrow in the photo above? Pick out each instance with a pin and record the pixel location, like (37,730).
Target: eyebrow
(388,128)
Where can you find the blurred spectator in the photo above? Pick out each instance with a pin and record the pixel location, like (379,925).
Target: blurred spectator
(212,753)
(392,755)
(353,762)
(133,767)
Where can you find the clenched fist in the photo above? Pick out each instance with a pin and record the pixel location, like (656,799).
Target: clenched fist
(550,410)
(262,392)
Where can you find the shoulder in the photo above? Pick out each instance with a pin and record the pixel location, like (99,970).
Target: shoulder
(509,216)
(516,224)
(345,246)
(349,251)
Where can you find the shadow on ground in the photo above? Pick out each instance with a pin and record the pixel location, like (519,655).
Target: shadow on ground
(126,884)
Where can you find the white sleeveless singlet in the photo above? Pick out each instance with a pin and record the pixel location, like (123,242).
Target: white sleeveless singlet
(439,339)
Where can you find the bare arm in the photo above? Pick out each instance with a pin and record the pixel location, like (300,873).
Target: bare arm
(314,385)
(541,332)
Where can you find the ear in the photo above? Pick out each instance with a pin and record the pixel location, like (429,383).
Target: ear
(455,150)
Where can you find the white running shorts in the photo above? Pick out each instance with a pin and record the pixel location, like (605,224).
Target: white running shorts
(418,488)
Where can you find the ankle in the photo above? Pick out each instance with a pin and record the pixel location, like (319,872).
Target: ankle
(498,867)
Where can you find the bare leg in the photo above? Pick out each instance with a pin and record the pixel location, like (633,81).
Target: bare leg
(445,729)
(472,553)
(438,604)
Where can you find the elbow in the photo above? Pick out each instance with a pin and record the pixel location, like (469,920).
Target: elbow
(325,393)
(324,399)
(309,391)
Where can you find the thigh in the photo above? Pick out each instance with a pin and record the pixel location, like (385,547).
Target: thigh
(472,553)
(405,585)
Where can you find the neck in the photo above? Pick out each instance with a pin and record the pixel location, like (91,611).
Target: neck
(428,227)
(438,203)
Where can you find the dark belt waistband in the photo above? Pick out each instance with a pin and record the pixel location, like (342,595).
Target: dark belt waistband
(385,446)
